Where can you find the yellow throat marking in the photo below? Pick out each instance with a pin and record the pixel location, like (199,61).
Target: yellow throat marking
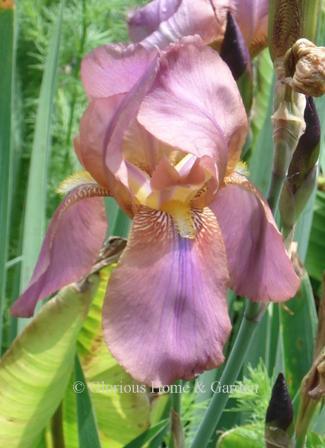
(182,217)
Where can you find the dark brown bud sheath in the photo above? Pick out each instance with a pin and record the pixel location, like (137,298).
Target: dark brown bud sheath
(285,25)
(279,412)
(233,49)
(290,20)
(279,416)
(301,177)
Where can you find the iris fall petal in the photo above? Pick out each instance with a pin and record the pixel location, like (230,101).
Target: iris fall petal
(71,246)
(165,315)
(258,262)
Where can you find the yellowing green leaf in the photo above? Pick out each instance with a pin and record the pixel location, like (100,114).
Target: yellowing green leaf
(121,405)
(36,369)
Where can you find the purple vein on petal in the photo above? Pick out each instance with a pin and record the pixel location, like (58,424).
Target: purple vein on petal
(183,247)
(166,314)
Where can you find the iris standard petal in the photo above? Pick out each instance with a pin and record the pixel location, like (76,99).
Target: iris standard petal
(205,18)
(89,147)
(258,262)
(165,315)
(164,21)
(114,69)
(144,150)
(137,144)
(125,115)
(195,105)
(145,20)
(71,246)
(115,148)
(252,17)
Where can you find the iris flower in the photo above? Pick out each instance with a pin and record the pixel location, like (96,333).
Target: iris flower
(162,134)
(163,21)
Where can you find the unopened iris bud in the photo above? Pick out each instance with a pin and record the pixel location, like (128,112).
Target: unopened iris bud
(302,172)
(285,26)
(288,118)
(304,65)
(293,201)
(235,53)
(288,126)
(234,50)
(289,20)
(279,416)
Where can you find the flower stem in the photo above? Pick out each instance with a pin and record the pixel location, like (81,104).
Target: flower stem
(176,436)
(303,423)
(286,133)
(275,190)
(253,314)
(176,398)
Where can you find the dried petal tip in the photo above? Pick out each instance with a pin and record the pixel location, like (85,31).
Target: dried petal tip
(318,391)
(279,412)
(233,50)
(304,65)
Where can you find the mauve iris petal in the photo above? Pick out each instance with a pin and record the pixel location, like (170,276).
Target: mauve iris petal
(71,246)
(89,147)
(258,262)
(195,105)
(114,69)
(252,17)
(164,21)
(165,315)
(182,18)
(124,116)
(145,20)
